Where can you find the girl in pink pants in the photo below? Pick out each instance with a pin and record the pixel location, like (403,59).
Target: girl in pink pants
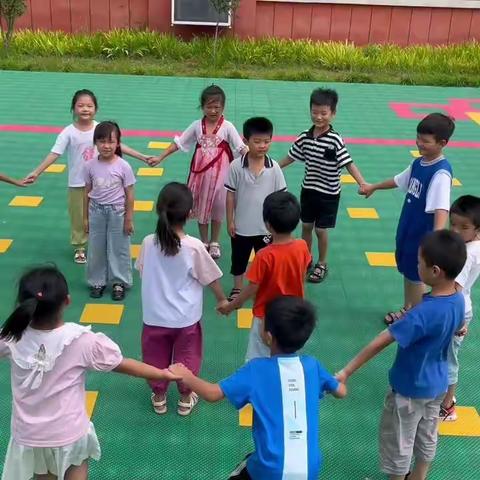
(174,268)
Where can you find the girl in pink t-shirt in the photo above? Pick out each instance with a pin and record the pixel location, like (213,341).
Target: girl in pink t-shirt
(109,182)
(52,436)
(174,268)
(216,142)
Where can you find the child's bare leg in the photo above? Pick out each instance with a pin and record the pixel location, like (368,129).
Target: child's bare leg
(77,473)
(48,476)
(322,235)
(307,229)
(216,227)
(238,281)
(396,477)
(413,292)
(448,400)
(203,231)
(420,470)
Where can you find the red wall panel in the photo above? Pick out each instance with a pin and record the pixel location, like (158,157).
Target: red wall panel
(380,25)
(138,14)
(41,15)
(80,16)
(100,15)
(475,25)
(283,19)
(25,21)
(440,26)
(341,18)
(244,23)
(119,14)
(400,25)
(321,22)
(420,25)
(302,21)
(460,25)
(264,20)
(159,15)
(60,11)
(360,24)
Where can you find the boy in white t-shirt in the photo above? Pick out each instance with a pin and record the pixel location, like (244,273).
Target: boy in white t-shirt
(465,220)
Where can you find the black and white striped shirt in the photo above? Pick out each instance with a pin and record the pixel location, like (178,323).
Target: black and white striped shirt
(324,158)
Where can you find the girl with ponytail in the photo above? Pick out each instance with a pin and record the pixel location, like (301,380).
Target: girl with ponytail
(175,268)
(52,436)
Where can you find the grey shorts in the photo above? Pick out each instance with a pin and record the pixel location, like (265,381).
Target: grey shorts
(408,429)
(256,348)
(455,344)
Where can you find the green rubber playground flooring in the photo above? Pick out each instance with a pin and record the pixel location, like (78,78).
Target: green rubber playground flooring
(136,443)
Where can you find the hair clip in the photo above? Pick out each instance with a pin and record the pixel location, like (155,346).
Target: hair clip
(39,295)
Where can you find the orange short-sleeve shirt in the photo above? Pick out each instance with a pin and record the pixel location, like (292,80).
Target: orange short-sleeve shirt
(279,269)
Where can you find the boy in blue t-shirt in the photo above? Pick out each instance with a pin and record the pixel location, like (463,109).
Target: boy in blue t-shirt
(418,377)
(427,183)
(283,390)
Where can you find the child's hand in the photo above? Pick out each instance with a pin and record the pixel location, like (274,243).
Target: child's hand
(244,150)
(462,332)
(85,225)
(225,308)
(231,229)
(341,376)
(154,161)
(20,183)
(366,189)
(128,226)
(30,178)
(179,370)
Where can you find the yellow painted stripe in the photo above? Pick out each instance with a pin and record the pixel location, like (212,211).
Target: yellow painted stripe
(245,416)
(56,168)
(475,116)
(90,401)
(5,245)
(456,182)
(134,251)
(244,318)
(159,145)
(20,201)
(466,425)
(102,313)
(150,172)
(143,206)
(381,259)
(347,179)
(363,213)
(414,153)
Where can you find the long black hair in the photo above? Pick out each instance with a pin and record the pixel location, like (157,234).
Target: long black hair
(42,292)
(104,130)
(174,205)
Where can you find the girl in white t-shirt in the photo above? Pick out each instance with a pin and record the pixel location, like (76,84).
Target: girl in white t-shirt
(52,436)
(77,140)
(216,142)
(174,268)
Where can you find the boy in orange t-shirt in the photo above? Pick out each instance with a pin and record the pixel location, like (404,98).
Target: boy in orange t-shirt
(278,269)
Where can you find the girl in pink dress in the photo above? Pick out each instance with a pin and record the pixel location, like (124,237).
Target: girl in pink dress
(216,143)
(52,436)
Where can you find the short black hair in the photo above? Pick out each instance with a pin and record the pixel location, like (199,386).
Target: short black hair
(281,211)
(290,321)
(446,250)
(257,126)
(324,96)
(467,206)
(439,125)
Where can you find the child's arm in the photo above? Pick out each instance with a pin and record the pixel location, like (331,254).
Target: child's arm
(373,348)
(134,153)
(49,159)
(134,368)
(230,213)
(440,219)
(354,171)
(340,392)
(286,162)
(153,161)
(247,292)
(86,204)
(217,290)
(211,392)
(368,189)
(129,201)
(12,181)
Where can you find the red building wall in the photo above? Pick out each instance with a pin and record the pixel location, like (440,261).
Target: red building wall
(360,24)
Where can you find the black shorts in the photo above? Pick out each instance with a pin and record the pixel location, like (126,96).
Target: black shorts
(242,248)
(319,208)
(241,472)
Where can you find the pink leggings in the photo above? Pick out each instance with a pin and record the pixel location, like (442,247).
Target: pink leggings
(162,346)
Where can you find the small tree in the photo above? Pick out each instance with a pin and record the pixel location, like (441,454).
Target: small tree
(10,10)
(222,7)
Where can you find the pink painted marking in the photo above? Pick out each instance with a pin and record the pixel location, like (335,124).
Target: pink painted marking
(384,142)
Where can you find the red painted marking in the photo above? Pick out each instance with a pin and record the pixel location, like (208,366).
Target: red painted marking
(456,107)
(384,142)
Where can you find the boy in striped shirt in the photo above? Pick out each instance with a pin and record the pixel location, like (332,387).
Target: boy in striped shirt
(324,154)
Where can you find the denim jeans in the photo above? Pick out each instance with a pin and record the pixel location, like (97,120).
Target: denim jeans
(109,259)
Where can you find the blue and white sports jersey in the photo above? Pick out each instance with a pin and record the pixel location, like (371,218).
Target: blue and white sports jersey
(284,391)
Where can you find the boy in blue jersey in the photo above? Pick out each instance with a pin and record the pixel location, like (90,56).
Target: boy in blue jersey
(419,375)
(284,391)
(427,183)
